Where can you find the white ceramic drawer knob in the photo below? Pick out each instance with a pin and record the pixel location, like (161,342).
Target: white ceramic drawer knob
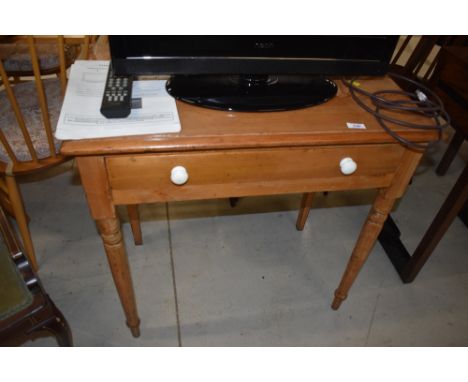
(179,175)
(348,166)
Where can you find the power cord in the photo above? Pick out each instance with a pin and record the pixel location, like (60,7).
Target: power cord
(423,102)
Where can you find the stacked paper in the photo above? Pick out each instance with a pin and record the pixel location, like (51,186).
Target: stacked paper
(80,117)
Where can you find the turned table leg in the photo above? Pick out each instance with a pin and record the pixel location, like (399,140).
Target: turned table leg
(96,186)
(306,204)
(134,218)
(111,235)
(375,221)
(367,238)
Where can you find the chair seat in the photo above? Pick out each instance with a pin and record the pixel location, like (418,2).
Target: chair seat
(14,295)
(28,101)
(17,58)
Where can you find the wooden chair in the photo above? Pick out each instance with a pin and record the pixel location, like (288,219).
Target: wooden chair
(420,62)
(29,113)
(25,308)
(17,61)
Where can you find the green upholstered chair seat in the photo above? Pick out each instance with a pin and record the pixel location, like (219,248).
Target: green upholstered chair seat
(14,295)
(24,311)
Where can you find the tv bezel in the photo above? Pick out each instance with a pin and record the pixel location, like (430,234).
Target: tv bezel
(148,64)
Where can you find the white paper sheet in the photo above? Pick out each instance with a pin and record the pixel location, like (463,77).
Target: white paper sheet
(80,117)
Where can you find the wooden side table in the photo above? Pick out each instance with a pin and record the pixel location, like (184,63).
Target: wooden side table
(229,154)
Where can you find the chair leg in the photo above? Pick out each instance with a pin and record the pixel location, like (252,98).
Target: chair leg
(441,223)
(59,327)
(134,217)
(21,219)
(450,153)
(50,319)
(61,331)
(306,204)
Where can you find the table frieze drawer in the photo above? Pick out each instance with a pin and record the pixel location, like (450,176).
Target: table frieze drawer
(218,174)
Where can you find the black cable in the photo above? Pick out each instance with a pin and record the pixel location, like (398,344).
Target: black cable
(423,102)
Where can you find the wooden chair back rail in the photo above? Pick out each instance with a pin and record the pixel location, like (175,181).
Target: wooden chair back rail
(41,91)
(63,69)
(443,41)
(19,118)
(422,53)
(401,50)
(418,56)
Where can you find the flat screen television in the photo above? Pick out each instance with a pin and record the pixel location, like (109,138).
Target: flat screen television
(252,73)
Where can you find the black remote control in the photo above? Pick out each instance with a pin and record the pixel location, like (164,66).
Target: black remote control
(117,98)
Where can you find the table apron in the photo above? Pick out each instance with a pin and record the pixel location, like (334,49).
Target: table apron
(145,178)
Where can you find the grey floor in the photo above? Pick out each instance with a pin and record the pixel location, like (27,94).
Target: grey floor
(210,275)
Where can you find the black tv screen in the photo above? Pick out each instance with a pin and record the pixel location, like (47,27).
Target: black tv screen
(327,55)
(251,73)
